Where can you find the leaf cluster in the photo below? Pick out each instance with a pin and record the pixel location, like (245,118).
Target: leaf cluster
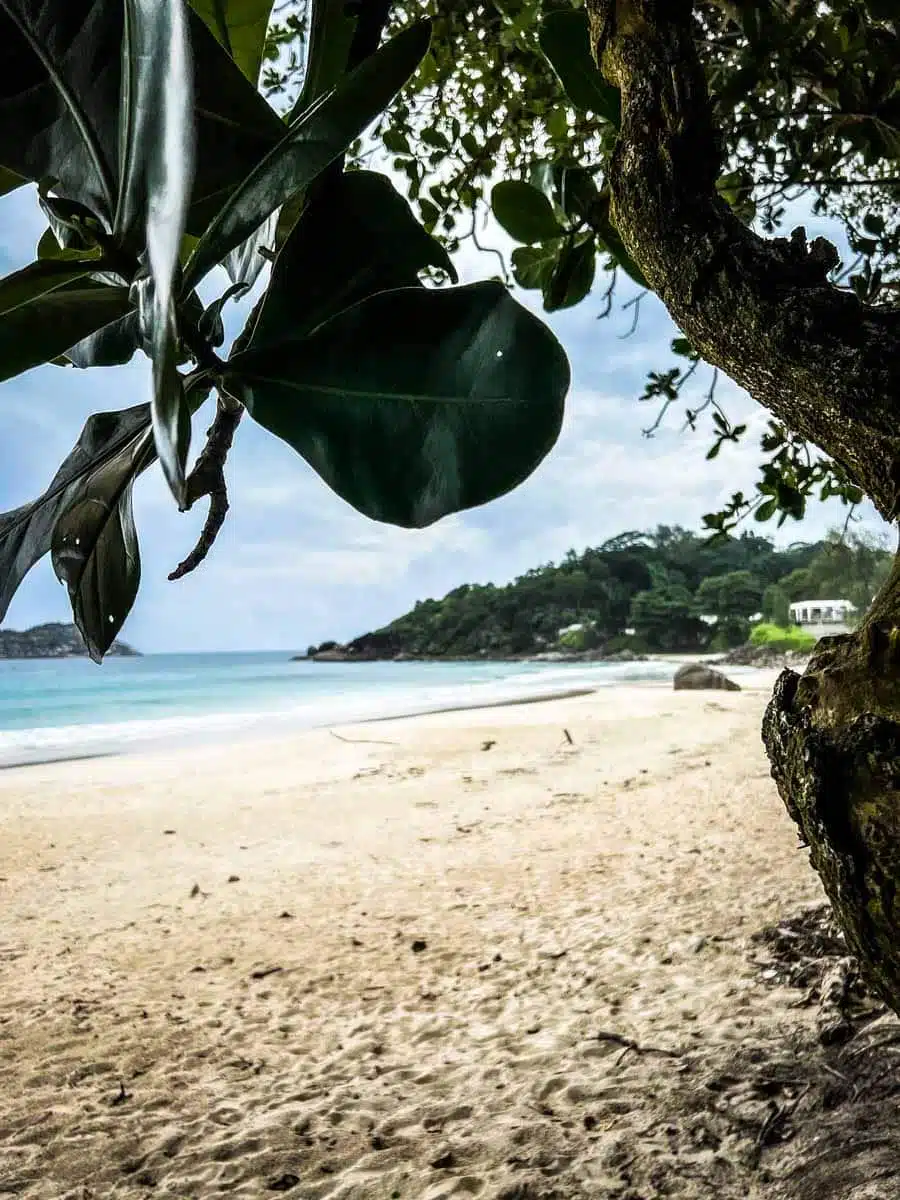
(160,167)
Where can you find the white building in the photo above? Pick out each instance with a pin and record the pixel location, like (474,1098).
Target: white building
(822,618)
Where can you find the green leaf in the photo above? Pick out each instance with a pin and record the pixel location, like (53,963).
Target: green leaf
(434,138)
(60,68)
(235,126)
(60,102)
(156,156)
(331,30)
(766,510)
(40,331)
(240,27)
(110,346)
(533,265)
(49,248)
(682,345)
(245,263)
(395,141)
(38,279)
(25,533)
(359,239)
(94,547)
(211,326)
(156,136)
(565,41)
(525,213)
(315,139)
(576,190)
(571,189)
(9,181)
(572,276)
(415,403)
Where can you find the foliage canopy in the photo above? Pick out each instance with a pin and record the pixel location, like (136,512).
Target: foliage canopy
(509,114)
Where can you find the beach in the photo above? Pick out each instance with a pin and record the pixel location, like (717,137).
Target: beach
(497,952)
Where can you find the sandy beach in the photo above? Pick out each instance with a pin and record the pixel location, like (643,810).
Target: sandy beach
(504,953)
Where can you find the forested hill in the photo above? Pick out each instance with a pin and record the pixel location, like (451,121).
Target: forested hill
(657,584)
(52,641)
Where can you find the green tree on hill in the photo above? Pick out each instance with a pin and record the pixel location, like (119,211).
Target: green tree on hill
(776,605)
(737,594)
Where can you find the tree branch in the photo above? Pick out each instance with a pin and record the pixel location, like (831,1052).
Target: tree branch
(208,479)
(761,310)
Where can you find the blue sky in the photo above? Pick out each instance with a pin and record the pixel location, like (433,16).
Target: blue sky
(296,565)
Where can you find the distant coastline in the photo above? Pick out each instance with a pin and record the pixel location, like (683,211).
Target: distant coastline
(332,652)
(53,640)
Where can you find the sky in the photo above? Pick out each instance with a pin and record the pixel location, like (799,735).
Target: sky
(296,565)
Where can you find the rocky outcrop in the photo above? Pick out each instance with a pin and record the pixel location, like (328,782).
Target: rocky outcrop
(762,656)
(54,640)
(699,676)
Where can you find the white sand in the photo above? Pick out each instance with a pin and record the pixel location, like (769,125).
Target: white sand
(559,891)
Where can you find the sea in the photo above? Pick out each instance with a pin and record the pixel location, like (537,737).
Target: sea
(68,708)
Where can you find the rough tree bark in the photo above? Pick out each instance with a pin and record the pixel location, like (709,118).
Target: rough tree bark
(828,367)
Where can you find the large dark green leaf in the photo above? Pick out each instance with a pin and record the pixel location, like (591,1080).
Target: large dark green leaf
(110,346)
(37,280)
(156,138)
(524,212)
(331,29)
(156,135)
(25,533)
(94,547)
(60,86)
(59,91)
(565,40)
(240,27)
(236,128)
(314,140)
(9,181)
(415,403)
(40,331)
(361,238)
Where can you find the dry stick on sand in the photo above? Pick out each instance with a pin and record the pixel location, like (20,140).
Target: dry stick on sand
(629,1044)
(362,741)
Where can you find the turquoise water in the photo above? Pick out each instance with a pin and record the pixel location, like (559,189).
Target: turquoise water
(56,707)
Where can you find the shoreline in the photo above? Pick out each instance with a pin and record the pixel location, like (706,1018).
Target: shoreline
(283,727)
(225,738)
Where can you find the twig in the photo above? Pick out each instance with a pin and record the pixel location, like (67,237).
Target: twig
(208,479)
(362,741)
(265,972)
(629,1044)
(634,303)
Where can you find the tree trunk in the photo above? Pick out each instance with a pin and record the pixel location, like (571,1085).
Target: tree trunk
(827,366)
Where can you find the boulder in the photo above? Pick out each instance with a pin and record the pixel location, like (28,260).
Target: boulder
(697,676)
